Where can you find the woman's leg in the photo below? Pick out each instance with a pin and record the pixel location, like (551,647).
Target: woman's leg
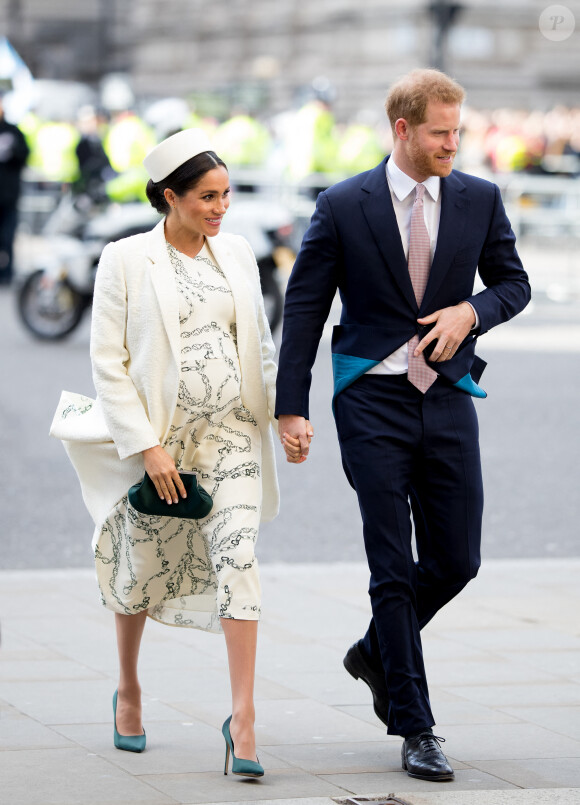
(241,640)
(129,633)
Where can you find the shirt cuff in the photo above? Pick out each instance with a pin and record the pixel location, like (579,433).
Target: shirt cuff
(476,325)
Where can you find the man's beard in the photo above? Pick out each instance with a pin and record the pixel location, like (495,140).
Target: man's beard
(427,164)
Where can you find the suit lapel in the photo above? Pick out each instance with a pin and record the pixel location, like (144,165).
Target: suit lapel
(379,212)
(454,210)
(163,280)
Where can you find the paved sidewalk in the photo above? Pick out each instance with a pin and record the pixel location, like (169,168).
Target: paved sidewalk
(503,662)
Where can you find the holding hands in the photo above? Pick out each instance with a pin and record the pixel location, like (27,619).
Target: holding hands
(295,433)
(452,325)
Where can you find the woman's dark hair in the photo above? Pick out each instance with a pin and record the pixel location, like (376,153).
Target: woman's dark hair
(182,179)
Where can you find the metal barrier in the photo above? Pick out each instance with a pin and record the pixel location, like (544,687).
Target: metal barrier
(538,206)
(541,206)
(37,201)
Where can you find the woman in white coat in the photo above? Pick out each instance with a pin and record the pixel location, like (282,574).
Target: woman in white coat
(183,367)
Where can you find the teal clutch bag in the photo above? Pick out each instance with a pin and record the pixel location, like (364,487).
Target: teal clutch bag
(198,503)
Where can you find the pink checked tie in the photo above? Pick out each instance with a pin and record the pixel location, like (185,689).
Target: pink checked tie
(420,374)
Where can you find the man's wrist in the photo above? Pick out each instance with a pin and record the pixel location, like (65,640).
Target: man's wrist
(475,317)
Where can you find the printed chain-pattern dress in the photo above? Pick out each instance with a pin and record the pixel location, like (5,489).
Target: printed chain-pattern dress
(192,572)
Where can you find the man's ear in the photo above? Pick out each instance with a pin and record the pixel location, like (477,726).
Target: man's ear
(402,129)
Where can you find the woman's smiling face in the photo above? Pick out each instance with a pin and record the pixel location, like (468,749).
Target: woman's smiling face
(201,209)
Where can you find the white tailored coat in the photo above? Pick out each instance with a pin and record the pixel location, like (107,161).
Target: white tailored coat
(135,352)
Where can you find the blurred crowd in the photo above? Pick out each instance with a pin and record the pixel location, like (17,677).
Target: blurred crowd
(512,140)
(102,153)
(97,147)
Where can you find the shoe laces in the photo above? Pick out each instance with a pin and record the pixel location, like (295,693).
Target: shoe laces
(429,742)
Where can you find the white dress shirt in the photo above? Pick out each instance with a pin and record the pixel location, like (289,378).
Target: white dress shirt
(402,189)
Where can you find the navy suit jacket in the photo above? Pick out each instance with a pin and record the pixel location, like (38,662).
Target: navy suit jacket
(353,245)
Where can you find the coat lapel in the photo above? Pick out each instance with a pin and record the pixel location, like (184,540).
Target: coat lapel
(454,209)
(163,280)
(380,215)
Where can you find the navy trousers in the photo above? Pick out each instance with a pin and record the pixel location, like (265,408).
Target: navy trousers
(413,460)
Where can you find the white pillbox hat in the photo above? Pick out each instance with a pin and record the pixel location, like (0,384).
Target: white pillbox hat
(174,151)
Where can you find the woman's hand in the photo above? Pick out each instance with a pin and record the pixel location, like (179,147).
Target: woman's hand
(160,467)
(292,449)
(295,446)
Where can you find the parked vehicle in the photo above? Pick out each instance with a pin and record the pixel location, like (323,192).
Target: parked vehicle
(60,264)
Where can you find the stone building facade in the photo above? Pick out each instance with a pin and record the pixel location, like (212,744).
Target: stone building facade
(263,53)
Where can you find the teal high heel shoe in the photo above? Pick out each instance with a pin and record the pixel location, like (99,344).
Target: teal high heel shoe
(130,743)
(246,768)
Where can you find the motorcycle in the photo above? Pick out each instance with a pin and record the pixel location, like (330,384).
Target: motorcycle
(60,264)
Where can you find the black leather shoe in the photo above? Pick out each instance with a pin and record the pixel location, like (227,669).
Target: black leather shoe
(357,664)
(422,757)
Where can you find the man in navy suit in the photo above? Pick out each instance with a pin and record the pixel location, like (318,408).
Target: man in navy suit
(410,451)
